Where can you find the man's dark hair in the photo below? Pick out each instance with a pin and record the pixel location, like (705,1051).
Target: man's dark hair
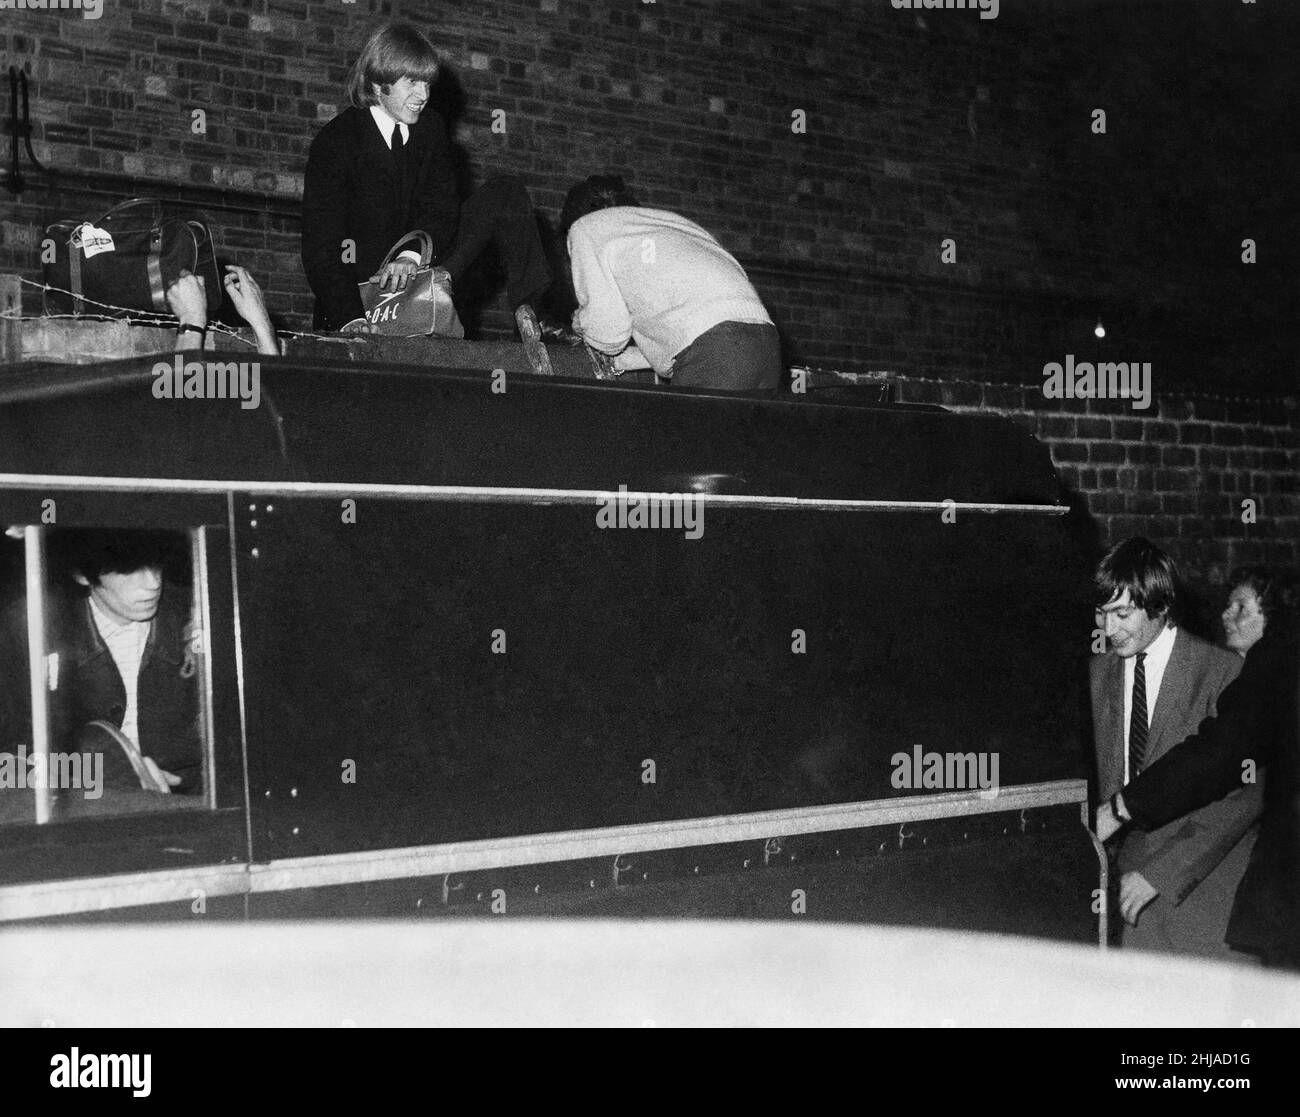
(393,51)
(1276,592)
(1148,573)
(596,192)
(92,553)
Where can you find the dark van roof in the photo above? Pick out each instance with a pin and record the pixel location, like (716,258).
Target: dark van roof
(378,425)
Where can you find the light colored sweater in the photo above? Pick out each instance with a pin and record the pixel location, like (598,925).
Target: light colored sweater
(655,278)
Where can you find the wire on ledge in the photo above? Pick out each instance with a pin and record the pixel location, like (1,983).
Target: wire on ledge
(129,314)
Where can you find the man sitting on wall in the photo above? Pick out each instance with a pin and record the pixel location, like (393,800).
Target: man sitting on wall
(383,168)
(121,669)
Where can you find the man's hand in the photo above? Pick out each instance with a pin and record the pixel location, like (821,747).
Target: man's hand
(396,274)
(187,298)
(357,326)
(1134,895)
(246,297)
(1107,823)
(164,779)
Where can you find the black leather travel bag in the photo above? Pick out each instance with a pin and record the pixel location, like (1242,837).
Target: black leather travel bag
(123,262)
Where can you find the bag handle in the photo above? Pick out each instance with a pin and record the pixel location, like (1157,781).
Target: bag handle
(426,248)
(134,755)
(130,203)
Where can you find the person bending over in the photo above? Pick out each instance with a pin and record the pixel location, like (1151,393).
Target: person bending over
(658,279)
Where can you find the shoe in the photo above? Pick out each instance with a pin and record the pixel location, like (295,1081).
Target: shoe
(553,333)
(531,335)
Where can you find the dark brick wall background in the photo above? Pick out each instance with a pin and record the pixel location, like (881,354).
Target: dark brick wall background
(920,126)
(1177,472)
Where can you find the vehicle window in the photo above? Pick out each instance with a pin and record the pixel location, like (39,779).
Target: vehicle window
(117,722)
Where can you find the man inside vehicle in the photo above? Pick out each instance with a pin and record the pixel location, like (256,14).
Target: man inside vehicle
(121,663)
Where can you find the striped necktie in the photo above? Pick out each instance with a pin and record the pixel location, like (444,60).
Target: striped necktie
(1137,722)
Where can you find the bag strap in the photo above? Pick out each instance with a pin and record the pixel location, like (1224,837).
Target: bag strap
(154,265)
(134,755)
(426,248)
(202,236)
(74,277)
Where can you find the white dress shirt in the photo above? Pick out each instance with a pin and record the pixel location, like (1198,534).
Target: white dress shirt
(386,125)
(1158,653)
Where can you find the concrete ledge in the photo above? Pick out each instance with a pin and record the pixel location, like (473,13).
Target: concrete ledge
(89,340)
(437,352)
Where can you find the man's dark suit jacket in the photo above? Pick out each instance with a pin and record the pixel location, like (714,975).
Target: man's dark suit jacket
(351,192)
(1258,718)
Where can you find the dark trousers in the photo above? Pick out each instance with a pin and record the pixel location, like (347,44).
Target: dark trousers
(501,213)
(733,356)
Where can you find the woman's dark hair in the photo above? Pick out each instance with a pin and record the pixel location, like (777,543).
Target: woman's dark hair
(596,192)
(393,51)
(1276,592)
(1148,573)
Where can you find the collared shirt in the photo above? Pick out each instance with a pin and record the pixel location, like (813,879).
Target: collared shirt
(126,642)
(387,124)
(1157,659)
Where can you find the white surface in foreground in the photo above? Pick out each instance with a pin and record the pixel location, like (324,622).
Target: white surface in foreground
(621,974)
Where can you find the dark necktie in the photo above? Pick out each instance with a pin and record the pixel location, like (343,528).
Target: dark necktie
(1137,722)
(399,163)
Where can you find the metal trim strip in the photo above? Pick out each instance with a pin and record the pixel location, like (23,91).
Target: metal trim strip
(506,494)
(68,897)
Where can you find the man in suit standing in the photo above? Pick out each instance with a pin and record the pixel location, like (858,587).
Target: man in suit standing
(1149,691)
(383,168)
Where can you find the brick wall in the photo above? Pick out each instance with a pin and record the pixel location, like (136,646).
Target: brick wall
(920,126)
(1177,472)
